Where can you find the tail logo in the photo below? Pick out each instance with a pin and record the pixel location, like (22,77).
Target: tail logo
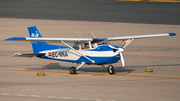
(35,35)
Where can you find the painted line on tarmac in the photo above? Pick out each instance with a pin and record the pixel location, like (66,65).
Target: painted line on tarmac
(53,97)
(34,95)
(138,73)
(5,94)
(19,95)
(79,75)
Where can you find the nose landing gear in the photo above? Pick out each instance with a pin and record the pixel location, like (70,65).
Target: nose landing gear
(110,69)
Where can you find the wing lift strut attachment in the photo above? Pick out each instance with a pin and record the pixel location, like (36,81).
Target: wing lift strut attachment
(73,69)
(127,43)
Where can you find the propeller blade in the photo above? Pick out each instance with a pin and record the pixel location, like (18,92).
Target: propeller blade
(122,60)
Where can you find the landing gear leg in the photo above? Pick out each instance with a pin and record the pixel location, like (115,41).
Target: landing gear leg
(73,69)
(110,69)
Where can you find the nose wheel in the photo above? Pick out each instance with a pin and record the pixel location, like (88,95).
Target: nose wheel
(110,69)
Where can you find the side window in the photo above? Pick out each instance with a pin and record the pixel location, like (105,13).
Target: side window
(76,46)
(85,46)
(81,46)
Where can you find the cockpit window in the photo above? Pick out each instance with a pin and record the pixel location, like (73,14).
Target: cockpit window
(81,46)
(102,41)
(93,44)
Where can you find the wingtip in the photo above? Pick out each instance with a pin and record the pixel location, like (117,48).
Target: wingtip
(172,34)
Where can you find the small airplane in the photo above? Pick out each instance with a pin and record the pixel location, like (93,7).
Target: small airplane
(91,51)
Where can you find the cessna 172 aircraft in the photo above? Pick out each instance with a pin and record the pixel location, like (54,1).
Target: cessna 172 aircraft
(95,51)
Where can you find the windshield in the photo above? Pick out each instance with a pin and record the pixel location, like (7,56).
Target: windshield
(101,41)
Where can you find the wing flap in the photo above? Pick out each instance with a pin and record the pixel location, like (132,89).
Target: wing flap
(28,54)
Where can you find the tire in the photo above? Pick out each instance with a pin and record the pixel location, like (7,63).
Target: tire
(111,69)
(72,70)
(148,70)
(40,74)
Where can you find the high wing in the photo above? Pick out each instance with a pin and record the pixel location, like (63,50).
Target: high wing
(81,40)
(139,36)
(53,40)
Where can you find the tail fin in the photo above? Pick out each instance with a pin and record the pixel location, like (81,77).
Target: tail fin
(39,46)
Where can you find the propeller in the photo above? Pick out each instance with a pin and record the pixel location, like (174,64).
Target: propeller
(121,50)
(122,60)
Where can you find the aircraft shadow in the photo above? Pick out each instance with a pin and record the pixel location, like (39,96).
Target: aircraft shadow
(128,69)
(57,66)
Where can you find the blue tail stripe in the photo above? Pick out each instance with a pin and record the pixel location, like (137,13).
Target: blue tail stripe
(40,46)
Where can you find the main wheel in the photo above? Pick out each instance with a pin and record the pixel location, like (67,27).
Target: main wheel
(111,69)
(72,70)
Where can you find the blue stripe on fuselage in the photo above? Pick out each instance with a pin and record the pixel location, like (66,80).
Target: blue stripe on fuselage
(98,60)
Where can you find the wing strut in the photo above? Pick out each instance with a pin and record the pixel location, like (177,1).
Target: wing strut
(127,42)
(78,52)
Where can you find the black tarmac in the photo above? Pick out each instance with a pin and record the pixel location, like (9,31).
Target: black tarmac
(93,10)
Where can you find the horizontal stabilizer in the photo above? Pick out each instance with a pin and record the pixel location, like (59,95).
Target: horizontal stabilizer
(28,54)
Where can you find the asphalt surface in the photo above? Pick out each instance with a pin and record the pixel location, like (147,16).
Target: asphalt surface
(93,10)
(19,80)
(18,76)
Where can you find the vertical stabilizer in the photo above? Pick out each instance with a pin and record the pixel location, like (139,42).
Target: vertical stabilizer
(37,46)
